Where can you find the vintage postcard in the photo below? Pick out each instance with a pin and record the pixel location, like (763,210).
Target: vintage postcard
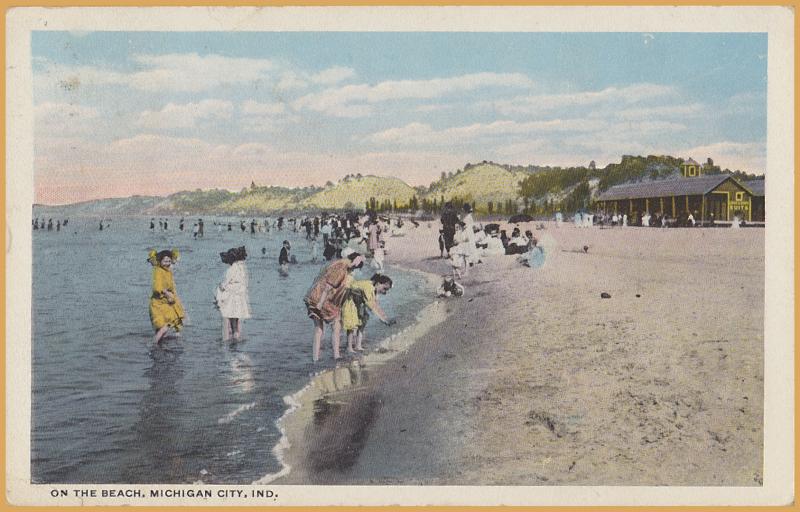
(400,255)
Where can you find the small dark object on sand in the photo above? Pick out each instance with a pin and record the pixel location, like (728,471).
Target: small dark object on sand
(522,217)
(605,295)
(637,295)
(585,248)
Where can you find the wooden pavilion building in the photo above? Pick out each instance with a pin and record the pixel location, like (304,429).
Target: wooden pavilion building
(720,195)
(759,208)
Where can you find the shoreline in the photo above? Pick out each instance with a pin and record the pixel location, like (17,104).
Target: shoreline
(532,378)
(341,378)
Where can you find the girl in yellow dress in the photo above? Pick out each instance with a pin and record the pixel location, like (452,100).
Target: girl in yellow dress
(361,296)
(166,310)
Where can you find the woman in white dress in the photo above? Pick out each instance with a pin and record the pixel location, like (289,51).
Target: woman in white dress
(231,294)
(470,250)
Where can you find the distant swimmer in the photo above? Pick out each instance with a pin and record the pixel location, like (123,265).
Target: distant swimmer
(101,225)
(58,226)
(284,258)
(231,295)
(253,227)
(166,310)
(195,230)
(50,225)
(180,224)
(201,230)
(152,224)
(166,225)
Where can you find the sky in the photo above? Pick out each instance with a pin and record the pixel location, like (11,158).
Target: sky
(152,113)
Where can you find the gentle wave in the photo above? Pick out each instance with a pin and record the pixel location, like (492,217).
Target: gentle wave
(231,415)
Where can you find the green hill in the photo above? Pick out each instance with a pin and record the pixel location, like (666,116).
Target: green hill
(355,192)
(264,200)
(479,184)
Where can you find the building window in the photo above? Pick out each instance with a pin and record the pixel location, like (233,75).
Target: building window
(740,196)
(691,171)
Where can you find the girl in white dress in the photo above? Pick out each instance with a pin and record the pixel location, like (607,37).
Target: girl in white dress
(231,294)
(470,250)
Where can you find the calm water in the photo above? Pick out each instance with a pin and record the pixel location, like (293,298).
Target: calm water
(109,407)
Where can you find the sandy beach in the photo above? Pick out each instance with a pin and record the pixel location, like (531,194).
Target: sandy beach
(532,378)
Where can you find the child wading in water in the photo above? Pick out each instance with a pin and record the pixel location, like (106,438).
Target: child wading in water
(166,310)
(284,257)
(231,294)
(361,296)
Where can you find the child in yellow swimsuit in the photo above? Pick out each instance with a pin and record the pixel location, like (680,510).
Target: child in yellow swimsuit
(166,310)
(361,297)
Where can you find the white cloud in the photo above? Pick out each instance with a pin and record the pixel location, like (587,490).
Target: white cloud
(423,134)
(333,75)
(525,151)
(631,94)
(190,72)
(693,110)
(425,109)
(263,109)
(623,138)
(745,156)
(349,100)
(185,72)
(63,113)
(186,115)
(291,81)
(746,104)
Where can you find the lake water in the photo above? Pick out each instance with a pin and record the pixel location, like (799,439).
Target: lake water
(109,407)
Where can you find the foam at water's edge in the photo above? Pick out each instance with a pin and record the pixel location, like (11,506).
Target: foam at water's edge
(294,403)
(393,345)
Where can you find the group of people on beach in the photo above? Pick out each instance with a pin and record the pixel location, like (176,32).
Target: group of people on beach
(466,243)
(335,297)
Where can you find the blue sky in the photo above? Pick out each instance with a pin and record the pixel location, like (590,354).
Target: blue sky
(119,113)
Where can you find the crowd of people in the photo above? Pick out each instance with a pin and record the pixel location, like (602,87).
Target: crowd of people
(334,299)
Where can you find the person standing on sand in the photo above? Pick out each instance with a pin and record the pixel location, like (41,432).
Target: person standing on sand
(449,220)
(470,249)
(166,310)
(325,297)
(363,295)
(231,295)
(374,231)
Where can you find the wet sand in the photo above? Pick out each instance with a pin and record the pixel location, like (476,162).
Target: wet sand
(532,378)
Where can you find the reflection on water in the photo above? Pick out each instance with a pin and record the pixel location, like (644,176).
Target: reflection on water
(157,431)
(109,408)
